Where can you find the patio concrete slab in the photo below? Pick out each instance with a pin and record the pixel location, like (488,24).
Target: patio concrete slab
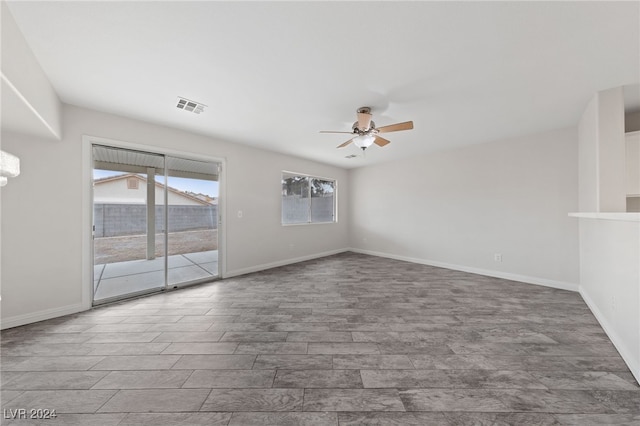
(202,256)
(130,267)
(121,278)
(186,274)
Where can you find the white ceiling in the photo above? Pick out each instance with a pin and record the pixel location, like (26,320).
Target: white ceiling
(275,73)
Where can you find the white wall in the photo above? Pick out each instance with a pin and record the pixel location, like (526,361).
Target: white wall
(43,211)
(29,102)
(611,151)
(602,153)
(459,208)
(610,281)
(632,164)
(588,158)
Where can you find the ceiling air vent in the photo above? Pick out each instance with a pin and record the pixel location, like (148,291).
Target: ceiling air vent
(191,106)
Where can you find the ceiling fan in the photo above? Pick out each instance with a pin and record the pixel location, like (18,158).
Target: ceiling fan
(366,133)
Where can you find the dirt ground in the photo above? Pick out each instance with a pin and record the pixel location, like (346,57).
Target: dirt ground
(134,247)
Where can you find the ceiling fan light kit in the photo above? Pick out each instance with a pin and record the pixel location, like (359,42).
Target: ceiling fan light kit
(366,133)
(364,141)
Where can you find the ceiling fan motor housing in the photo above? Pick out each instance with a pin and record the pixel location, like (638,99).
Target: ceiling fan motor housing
(360,131)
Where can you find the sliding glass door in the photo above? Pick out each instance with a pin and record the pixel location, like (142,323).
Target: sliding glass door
(155,222)
(192,219)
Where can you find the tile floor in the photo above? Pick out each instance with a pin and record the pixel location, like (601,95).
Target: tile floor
(345,340)
(133,276)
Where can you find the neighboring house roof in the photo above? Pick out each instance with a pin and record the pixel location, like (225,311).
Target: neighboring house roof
(158,185)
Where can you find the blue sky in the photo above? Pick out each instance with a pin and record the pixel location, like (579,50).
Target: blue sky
(206,187)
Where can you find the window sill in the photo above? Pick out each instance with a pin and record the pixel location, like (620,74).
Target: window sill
(309,223)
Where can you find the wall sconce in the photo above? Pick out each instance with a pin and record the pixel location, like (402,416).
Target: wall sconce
(9,167)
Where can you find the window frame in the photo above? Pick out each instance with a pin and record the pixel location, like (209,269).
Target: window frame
(287,174)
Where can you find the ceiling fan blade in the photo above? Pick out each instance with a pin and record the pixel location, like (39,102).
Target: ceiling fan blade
(331,131)
(381,141)
(345,144)
(364,120)
(407,125)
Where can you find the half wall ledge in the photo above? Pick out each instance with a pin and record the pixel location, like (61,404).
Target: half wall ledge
(625,217)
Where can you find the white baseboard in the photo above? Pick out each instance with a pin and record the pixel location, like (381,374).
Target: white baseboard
(487,272)
(265,266)
(625,352)
(30,318)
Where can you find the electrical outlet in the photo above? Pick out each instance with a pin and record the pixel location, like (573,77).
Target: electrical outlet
(239,214)
(497,257)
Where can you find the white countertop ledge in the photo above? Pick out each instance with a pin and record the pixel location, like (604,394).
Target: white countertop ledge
(625,217)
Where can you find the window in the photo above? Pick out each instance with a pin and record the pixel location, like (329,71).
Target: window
(307,199)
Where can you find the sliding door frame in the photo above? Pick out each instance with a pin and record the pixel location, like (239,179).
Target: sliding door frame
(87,202)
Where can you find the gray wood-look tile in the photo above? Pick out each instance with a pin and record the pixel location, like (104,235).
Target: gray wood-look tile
(532,363)
(596,363)
(43,380)
(583,380)
(8,395)
(272,348)
(63,401)
(120,337)
(119,328)
(155,400)
(550,401)
(599,419)
(451,400)
(41,349)
(139,362)
(306,379)
(290,418)
(154,319)
(190,336)
(406,379)
(391,419)
(215,362)
(501,419)
(343,348)
(369,362)
(459,379)
(143,379)
(293,362)
(52,363)
(619,401)
(230,379)
(181,326)
(259,336)
(126,348)
(352,400)
(113,419)
(173,419)
(453,362)
(254,400)
(214,348)
(242,326)
(8,376)
(349,338)
(406,348)
(319,336)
